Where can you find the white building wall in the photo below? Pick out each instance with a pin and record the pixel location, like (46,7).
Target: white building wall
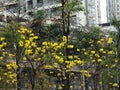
(92,12)
(81,17)
(103,9)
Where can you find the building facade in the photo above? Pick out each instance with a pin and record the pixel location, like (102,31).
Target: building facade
(113,9)
(92,11)
(96,12)
(22,8)
(92,15)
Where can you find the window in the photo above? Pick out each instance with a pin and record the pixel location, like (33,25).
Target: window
(30,4)
(12,8)
(55,12)
(74,20)
(39,1)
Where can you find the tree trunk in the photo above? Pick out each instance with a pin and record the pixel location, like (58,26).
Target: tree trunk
(18,79)
(66,82)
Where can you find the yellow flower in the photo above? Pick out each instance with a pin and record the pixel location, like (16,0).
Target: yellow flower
(85,53)
(4,43)
(1,46)
(29,51)
(106,65)
(64,38)
(51,72)
(109,40)
(111,52)
(113,65)
(48,66)
(88,75)
(82,85)
(64,77)
(2,38)
(67,70)
(71,86)
(35,37)
(29,31)
(13,80)
(83,49)
(14,65)
(55,64)
(100,83)
(8,66)
(84,71)
(104,52)
(115,85)
(93,52)
(54,44)
(33,44)
(24,58)
(116,60)
(1,58)
(67,61)
(62,44)
(101,50)
(38,48)
(27,43)
(63,85)
(58,74)
(80,62)
(59,88)
(98,42)
(11,55)
(97,55)
(32,34)
(78,49)
(102,39)
(31,39)
(22,36)
(70,46)
(93,61)
(0,78)
(75,56)
(61,60)
(99,60)
(70,57)
(72,63)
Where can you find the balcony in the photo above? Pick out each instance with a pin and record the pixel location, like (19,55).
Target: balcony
(51,2)
(39,5)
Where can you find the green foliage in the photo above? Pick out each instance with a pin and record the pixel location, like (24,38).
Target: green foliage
(40,14)
(74,5)
(116,23)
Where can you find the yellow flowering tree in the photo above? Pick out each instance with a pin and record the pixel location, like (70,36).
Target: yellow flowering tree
(99,55)
(19,52)
(90,58)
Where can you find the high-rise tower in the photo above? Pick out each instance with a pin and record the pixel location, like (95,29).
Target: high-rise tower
(113,9)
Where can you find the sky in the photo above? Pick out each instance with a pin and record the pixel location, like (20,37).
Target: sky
(103,11)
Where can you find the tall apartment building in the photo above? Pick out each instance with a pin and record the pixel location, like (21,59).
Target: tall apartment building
(21,8)
(96,12)
(52,8)
(113,9)
(92,11)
